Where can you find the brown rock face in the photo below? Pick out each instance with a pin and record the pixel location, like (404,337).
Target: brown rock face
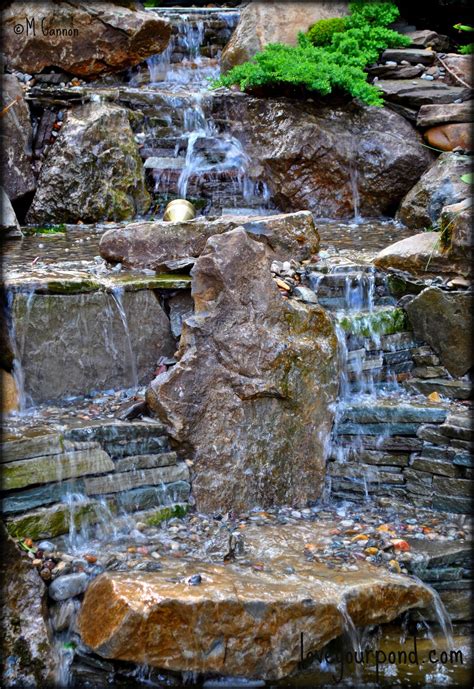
(239,622)
(423,254)
(274,21)
(16,139)
(439,186)
(431,115)
(155,244)
(93,172)
(461,65)
(85,39)
(24,637)
(450,136)
(456,226)
(313,156)
(250,397)
(444,320)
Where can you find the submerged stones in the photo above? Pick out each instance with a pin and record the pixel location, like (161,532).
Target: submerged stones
(251,394)
(81,39)
(93,172)
(157,244)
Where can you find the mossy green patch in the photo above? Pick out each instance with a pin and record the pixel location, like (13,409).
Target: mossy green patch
(381,322)
(165,513)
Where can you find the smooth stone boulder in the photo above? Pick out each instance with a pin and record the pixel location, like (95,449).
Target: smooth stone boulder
(439,186)
(432,115)
(447,137)
(156,244)
(250,399)
(274,21)
(240,622)
(73,344)
(16,139)
(444,320)
(426,38)
(29,659)
(93,172)
(93,38)
(460,66)
(68,586)
(420,255)
(416,92)
(9,225)
(307,151)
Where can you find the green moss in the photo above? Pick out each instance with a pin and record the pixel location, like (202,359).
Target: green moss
(382,322)
(165,513)
(60,286)
(321,32)
(46,230)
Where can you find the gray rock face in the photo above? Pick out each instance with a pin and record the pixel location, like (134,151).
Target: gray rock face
(156,245)
(106,36)
(93,172)
(250,397)
(274,21)
(441,185)
(417,92)
(306,152)
(68,586)
(72,344)
(428,39)
(24,630)
(444,321)
(16,140)
(456,224)
(9,225)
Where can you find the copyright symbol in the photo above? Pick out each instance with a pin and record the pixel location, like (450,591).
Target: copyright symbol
(18,28)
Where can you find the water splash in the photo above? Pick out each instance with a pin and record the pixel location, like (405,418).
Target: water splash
(117,295)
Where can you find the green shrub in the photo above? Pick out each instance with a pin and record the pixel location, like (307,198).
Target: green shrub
(339,65)
(467,49)
(321,32)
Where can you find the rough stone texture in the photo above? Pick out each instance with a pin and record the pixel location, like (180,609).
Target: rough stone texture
(461,65)
(181,306)
(412,55)
(239,622)
(16,141)
(456,223)
(115,483)
(306,151)
(444,320)
(250,395)
(274,21)
(93,172)
(25,637)
(423,254)
(439,186)
(428,39)
(155,244)
(9,398)
(432,115)
(110,37)
(417,92)
(73,344)
(9,225)
(450,136)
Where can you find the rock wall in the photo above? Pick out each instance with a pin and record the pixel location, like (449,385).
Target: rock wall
(250,397)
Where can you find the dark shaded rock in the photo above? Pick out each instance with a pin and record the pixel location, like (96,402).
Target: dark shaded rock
(432,115)
(181,306)
(27,653)
(428,39)
(9,225)
(306,151)
(439,186)
(93,172)
(444,320)
(251,393)
(413,55)
(275,21)
(416,92)
(109,38)
(16,139)
(452,389)
(458,239)
(155,244)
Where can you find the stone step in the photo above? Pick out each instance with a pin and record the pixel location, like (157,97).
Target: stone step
(379,429)
(394,413)
(119,482)
(413,55)
(418,92)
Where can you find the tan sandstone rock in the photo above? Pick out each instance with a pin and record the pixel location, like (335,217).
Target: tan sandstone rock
(274,21)
(450,136)
(251,395)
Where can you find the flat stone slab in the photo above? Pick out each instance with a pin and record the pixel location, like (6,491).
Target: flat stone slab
(158,244)
(240,620)
(432,115)
(417,92)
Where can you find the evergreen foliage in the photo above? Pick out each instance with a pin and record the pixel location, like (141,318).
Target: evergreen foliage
(321,32)
(339,65)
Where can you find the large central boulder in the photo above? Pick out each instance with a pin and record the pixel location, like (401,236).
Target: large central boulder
(331,160)
(251,395)
(93,172)
(85,39)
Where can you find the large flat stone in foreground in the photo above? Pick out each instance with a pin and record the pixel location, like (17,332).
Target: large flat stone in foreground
(238,621)
(156,244)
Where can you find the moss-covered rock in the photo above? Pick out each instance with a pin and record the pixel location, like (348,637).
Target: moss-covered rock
(380,322)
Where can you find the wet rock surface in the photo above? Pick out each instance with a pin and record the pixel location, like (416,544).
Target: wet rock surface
(272,395)
(305,152)
(102,37)
(156,245)
(250,617)
(93,172)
